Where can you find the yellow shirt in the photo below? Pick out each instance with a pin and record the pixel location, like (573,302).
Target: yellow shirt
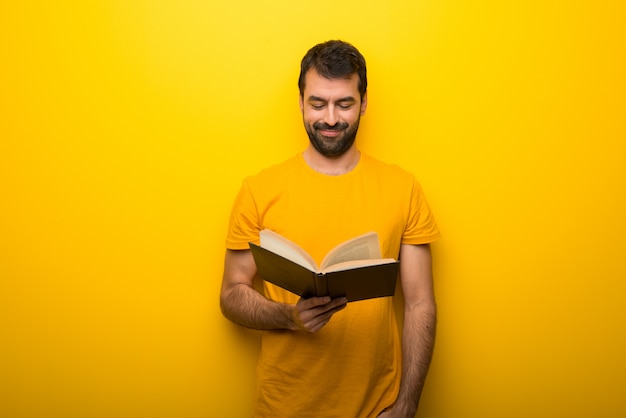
(351,367)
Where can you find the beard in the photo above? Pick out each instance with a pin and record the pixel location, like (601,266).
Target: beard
(332,147)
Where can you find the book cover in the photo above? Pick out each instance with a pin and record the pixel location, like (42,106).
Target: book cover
(355,279)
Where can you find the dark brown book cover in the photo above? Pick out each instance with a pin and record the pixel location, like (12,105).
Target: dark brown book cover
(358,283)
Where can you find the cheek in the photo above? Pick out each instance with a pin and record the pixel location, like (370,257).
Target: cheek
(352,118)
(310,117)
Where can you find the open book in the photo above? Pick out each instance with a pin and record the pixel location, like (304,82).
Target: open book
(353,269)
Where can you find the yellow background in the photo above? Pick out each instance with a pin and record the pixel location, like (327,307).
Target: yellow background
(126,128)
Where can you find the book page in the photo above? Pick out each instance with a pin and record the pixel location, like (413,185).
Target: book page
(280,245)
(347,265)
(363,247)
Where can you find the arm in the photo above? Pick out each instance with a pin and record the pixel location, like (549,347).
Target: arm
(418,334)
(242,304)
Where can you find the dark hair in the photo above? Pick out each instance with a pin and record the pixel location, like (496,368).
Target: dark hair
(334,59)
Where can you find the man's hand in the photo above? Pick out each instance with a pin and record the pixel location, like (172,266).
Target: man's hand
(393,413)
(310,315)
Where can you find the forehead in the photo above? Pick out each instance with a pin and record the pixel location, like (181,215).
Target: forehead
(316,85)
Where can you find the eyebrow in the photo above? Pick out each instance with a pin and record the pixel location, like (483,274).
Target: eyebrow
(320,99)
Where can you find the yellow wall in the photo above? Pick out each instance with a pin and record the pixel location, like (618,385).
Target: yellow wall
(127,126)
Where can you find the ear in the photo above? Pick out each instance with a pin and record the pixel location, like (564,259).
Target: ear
(363,104)
(301,103)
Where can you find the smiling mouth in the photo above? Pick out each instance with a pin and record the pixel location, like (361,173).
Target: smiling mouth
(330,133)
(330,130)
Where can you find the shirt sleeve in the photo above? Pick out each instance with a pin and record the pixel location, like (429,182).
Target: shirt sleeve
(421,226)
(243,226)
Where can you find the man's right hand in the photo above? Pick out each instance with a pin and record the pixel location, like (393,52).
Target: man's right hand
(244,305)
(311,314)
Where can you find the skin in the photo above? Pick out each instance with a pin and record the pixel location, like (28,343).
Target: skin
(331,102)
(328,103)
(331,119)
(242,304)
(418,333)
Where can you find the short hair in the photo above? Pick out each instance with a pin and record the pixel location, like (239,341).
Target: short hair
(334,59)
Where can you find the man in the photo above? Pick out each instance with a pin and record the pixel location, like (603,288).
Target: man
(323,357)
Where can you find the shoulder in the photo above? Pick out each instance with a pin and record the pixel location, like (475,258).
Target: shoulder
(276,173)
(386,171)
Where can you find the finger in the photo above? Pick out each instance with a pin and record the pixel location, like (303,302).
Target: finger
(315,311)
(317,322)
(313,302)
(338,302)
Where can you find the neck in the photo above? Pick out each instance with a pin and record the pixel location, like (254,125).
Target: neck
(332,166)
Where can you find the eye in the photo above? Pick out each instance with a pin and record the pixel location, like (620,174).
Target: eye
(344,106)
(317,106)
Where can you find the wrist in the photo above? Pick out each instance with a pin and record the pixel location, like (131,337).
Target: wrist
(289,314)
(404,409)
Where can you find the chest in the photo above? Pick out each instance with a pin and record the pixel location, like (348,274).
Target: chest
(320,217)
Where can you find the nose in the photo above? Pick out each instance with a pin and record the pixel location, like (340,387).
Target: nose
(331,116)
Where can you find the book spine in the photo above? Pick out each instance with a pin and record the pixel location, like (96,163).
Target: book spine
(321,284)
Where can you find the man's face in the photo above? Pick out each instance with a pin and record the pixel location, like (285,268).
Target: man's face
(331,110)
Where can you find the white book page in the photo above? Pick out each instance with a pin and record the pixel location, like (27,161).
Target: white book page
(280,245)
(363,247)
(347,265)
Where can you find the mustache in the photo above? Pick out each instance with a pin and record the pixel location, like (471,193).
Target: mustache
(339,126)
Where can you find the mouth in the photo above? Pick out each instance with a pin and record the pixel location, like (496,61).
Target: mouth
(330,133)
